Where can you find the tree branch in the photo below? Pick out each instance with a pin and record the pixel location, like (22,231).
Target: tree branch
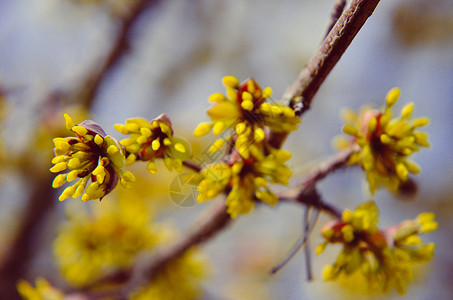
(14,261)
(303,192)
(301,93)
(212,222)
(337,10)
(192,165)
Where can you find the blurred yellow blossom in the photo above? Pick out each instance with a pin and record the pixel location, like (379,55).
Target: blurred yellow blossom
(153,139)
(385,142)
(43,291)
(111,237)
(245,111)
(385,257)
(91,154)
(90,245)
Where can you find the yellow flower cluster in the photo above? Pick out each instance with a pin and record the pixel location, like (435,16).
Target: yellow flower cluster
(253,162)
(43,291)
(385,257)
(153,139)
(386,142)
(89,245)
(245,111)
(246,180)
(91,154)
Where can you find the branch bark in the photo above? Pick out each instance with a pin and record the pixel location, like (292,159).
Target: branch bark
(301,93)
(303,192)
(212,222)
(14,261)
(337,10)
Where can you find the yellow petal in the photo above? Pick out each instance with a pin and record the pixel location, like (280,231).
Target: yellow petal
(393,96)
(155,145)
(247,105)
(217,97)
(98,139)
(219,127)
(82,131)
(267,92)
(202,129)
(58,167)
(180,147)
(68,192)
(68,121)
(230,81)
(121,128)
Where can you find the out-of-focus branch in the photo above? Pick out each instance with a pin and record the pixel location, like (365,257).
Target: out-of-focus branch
(90,87)
(301,93)
(212,222)
(18,254)
(15,260)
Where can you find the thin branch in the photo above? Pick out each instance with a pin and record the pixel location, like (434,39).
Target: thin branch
(337,10)
(14,261)
(307,231)
(305,193)
(192,165)
(302,193)
(330,51)
(330,165)
(301,93)
(302,242)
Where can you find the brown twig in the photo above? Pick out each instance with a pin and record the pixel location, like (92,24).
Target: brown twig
(301,93)
(212,222)
(14,261)
(337,10)
(303,192)
(192,165)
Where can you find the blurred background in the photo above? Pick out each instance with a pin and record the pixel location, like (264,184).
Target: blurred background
(117,59)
